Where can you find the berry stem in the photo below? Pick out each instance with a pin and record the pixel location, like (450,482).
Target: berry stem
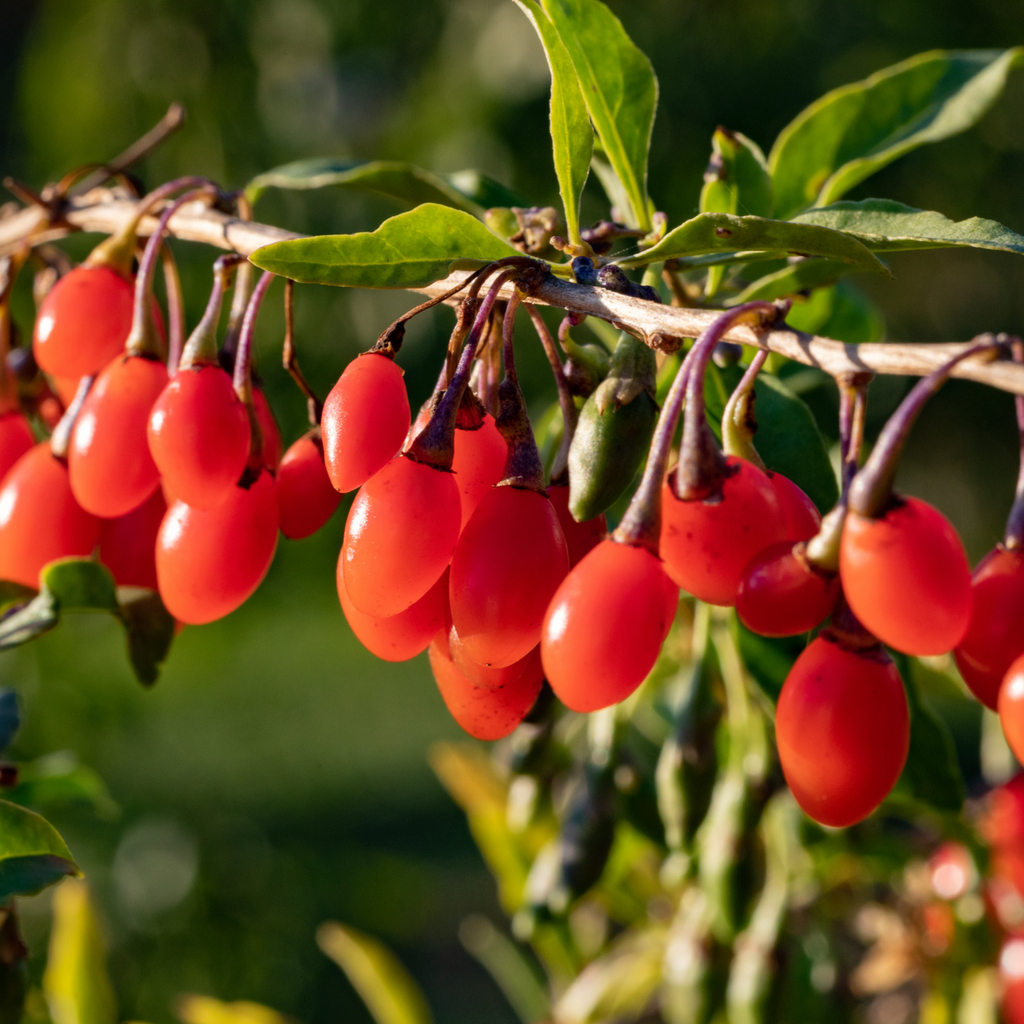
(201,347)
(60,439)
(175,309)
(739,424)
(570,414)
(240,297)
(1013,538)
(871,489)
(243,365)
(290,358)
(9,267)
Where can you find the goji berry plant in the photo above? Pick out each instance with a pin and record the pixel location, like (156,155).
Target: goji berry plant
(705,644)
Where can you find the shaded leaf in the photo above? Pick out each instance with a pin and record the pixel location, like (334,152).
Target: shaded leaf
(28,876)
(193,1009)
(407,251)
(11,593)
(803,275)
(484,190)
(884,225)
(572,136)
(10,719)
(619,87)
(617,196)
(390,994)
(767,659)
(58,779)
(32,853)
(855,130)
(724,232)
(150,631)
(76,984)
(737,179)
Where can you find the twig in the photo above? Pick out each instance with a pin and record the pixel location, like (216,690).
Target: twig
(647,320)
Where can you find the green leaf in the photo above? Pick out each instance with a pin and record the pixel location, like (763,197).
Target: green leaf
(392,178)
(10,719)
(619,87)
(57,780)
(407,251)
(617,196)
(79,585)
(193,1009)
(737,179)
(803,275)
(572,137)
(484,190)
(855,130)
(150,631)
(32,853)
(390,994)
(76,983)
(724,232)
(767,659)
(884,225)
(21,623)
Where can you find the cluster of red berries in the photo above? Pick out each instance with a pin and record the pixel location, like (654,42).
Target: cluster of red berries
(171,474)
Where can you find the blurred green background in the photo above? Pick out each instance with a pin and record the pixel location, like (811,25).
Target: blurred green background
(277,775)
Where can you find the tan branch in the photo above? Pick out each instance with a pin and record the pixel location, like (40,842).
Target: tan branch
(98,212)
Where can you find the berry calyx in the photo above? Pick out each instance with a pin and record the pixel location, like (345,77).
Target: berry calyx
(40,520)
(843,729)
(305,497)
(402,636)
(128,543)
(210,561)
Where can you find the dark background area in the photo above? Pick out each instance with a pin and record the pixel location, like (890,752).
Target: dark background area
(276,776)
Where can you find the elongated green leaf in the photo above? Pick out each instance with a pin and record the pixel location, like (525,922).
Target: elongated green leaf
(619,87)
(21,623)
(80,584)
(572,137)
(390,994)
(193,1009)
(858,129)
(57,780)
(797,277)
(32,853)
(76,984)
(723,232)
(407,251)
(392,178)
(149,628)
(483,189)
(737,179)
(884,225)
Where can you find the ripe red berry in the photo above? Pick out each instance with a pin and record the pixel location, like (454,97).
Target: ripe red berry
(782,594)
(399,536)
(707,544)
(198,435)
(128,543)
(906,577)
(365,420)
(506,567)
(272,444)
(401,636)
(111,468)
(210,561)
(483,675)
(580,538)
(16,438)
(83,322)
(1011,977)
(800,513)
(486,713)
(305,497)
(995,636)
(1011,707)
(478,465)
(605,625)
(843,730)
(40,520)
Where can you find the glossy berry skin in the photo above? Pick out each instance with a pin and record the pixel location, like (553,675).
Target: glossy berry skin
(486,713)
(305,497)
(40,520)
(843,730)
(198,434)
(801,515)
(1011,707)
(506,567)
(401,636)
(273,446)
(492,678)
(706,545)
(16,438)
(479,463)
(128,543)
(781,594)
(399,536)
(605,626)
(906,577)
(83,322)
(1011,977)
(365,419)
(210,561)
(580,538)
(995,636)
(111,468)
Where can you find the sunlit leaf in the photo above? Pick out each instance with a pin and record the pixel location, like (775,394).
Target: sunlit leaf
(80,584)
(32,853)
(884,225)
(407,251)
(76,984)
(390,994)
(572,136)
(737,179)
(724,232)
(193,1009)
(619,87)
(855,130)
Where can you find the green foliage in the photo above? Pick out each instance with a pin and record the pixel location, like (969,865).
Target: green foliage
(10,719)
(854,131)
(407,251)
(32,853)
(572,136)
(620,91)
(193,1009)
